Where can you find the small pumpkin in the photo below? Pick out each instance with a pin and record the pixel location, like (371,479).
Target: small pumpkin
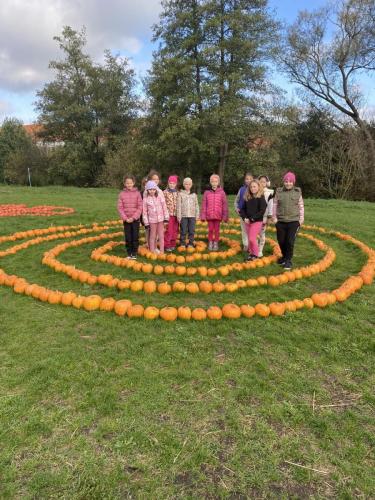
(231,311)
(151,312)
(168,313)
(198,314)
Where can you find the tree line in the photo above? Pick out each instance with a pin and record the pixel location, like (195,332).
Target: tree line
(209,102)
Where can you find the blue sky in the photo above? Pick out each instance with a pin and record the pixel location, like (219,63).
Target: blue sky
(124,26)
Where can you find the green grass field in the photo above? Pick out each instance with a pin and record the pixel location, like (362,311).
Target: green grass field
(94,406)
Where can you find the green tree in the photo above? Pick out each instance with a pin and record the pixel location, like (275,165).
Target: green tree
(206,73)
(87,105)
(13,139)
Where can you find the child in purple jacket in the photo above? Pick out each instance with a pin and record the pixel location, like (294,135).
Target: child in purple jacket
(214,210)
(129,206)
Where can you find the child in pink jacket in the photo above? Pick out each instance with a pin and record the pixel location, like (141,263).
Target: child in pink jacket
(214,210)
(129,206)
(155,214)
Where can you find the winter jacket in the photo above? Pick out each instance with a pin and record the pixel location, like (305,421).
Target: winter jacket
(154,209)
(214,205)
(129,204)
(187,205)
(239,200)
(254,209)
(268,194)
(171,200)
(288,205)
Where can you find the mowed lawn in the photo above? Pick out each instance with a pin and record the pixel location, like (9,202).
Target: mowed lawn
(95,406)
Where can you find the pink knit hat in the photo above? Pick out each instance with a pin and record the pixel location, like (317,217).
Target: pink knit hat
(173,178)
(289,177)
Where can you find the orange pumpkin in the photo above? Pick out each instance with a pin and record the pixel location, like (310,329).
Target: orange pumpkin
(107,304)
(218,287)
(54,297)
(180,259)
(309,304)
(320,299)
(67,298)
(198,314)
(205,287)
(135,311)
(169,269)
(184,312)
(192,287)
(147,268)
(168,313)
(180,270)
(214,312)
(262,280)
(178,286)
(136,285)
(151,312)
(164,288)
(277,309)
(158,269)
(273,281)
(122,306)
(231,311)
(149,286)
(262,310)
(231,287)
(247,311)
(91,302)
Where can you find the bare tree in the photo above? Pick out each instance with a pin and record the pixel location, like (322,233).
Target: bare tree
(326,50)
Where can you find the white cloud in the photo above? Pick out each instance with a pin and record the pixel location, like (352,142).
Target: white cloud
(27,28)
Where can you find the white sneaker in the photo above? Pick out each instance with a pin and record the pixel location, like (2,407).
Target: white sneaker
(157,250)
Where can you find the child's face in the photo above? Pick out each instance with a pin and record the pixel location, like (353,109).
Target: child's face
(129,184)
(288,184)
(172,185)
(263,182)
(152,192)
(188,185)
(156,179)
(254,188)
(248,179)
(214,183)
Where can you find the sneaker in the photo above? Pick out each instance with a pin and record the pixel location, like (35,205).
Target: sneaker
(169,250)
(210,245)
(215,246)
(133,257)
(281,261)
(260,255)
(288,265)
(129,257)
(157,251)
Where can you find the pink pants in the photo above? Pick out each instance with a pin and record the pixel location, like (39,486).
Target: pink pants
(253,229)
(156,231)
(213,230)
(171,232)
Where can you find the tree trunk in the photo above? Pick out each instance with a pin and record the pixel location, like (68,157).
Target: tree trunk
(222,161)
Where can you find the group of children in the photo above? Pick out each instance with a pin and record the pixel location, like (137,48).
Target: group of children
(167,213)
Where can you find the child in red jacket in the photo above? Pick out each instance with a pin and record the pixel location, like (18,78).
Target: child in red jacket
(214,211)
(129,207)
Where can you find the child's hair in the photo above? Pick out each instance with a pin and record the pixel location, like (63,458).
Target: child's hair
(192,189)
(129,176)
(248,174)
(249,195)
(143,183)
(147,192)
(151,174)
(264,177)
(215,176)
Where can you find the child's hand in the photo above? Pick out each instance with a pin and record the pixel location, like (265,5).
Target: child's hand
(274,220)
(247,221)
(130,220)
